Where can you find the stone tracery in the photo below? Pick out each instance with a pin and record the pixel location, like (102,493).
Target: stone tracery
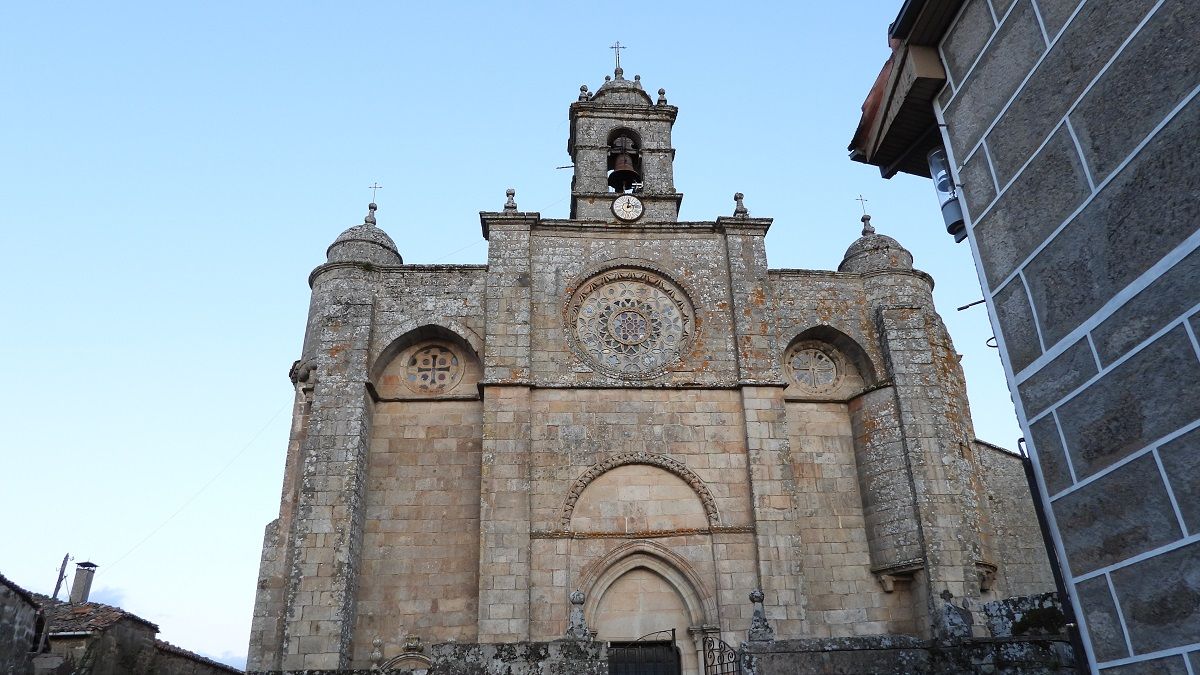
(630,323)
(433,368)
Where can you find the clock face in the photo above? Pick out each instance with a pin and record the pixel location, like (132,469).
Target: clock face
(627,207)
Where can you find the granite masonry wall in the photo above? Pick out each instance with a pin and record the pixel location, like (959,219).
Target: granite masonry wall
(1072,126)
(639,411)
(18,625)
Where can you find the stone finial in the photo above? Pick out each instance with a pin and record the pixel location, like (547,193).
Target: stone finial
(511,203)
(583,93)
(739,209)
(369,219)
(608,78)
(662,96)
(637,81)
(760,630)
(868,228)
(577,627)
(376,653)
(619,73)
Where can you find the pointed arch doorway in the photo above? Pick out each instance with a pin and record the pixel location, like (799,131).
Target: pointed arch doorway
(647,607)
(641,614)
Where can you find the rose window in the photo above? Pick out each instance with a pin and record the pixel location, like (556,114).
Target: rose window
(630,323)
(433,369)
(813,369)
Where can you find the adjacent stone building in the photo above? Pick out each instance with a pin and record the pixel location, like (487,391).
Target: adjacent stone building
(40,635)
(20,619)
(626,424)
(1070,129)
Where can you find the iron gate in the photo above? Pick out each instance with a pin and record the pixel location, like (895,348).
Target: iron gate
(720,658)
(645,657)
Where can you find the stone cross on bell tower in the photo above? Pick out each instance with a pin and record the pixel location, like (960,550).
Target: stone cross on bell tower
(621,144)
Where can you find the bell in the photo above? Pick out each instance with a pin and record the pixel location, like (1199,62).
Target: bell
(623,175)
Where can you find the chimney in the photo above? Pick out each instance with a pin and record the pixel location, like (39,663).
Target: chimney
(82,585)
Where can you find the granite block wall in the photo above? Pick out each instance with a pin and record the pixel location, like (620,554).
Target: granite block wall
(18,623)
(1072,125)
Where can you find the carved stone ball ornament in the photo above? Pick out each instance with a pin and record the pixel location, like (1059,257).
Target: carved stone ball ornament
(630,323)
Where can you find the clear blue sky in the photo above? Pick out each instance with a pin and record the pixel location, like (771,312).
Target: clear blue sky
(172,172)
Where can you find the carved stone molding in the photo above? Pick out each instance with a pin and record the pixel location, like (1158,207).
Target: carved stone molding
(662,461)
(630,323)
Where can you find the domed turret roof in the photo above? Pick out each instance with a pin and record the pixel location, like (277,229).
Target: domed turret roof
(365,243)
(872,252)
(617,90)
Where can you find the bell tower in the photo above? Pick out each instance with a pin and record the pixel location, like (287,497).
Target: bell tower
(621,145)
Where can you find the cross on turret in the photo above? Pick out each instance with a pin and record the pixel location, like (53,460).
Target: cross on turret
(617,47)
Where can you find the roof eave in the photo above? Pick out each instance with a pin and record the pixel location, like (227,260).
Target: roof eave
(898,127)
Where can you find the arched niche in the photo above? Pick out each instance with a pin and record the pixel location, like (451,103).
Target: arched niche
(428,361)
(707,503)
(824,363)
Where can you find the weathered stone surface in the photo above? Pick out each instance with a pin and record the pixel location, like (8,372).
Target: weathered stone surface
(1125,105)
(1124,230)
(1171,665)
(1058,378)
(1120,515)
(1016,324)
(1055,13)
(1001,68)
(945,95)
(18,618)
(1143,399)
(1021,559)
(966,38)
(639,410)
(565,657)
(1078,239)
(1026,615)
(901,655)
(1160,599)
(1071,64)
(1181,461)
(1145,313)
(978,187)
(1103,623)
(1001,6)
(1050,454)
(1043,196)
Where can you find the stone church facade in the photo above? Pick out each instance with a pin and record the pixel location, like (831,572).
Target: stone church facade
(637,408)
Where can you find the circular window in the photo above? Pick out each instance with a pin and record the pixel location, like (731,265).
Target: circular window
(813,369)
(432,368)
(630,323)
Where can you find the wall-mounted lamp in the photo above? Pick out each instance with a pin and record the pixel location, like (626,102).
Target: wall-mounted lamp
(939,169)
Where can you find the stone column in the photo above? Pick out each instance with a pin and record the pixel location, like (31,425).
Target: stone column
(504,549)
(772,481)
(327,527)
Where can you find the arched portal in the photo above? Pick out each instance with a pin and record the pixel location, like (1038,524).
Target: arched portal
(640,589)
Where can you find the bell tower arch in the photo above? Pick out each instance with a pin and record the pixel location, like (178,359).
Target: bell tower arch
(621,144)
